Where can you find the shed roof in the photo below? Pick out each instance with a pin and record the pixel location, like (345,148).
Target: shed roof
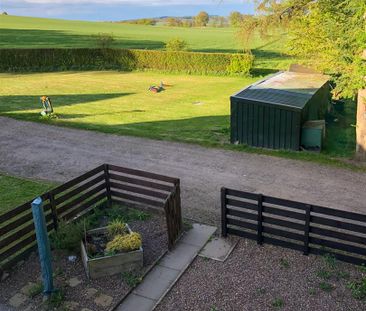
(291,89)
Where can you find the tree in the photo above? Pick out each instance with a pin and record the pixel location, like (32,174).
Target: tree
(173,22)
(329,34)
(201,19)
(235,18)
(176,44)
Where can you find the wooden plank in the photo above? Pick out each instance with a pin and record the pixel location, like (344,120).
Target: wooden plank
(285,203)
(223,212)
(307,230)
(24,254)
(136,198)
(242,234)
(339,213)
(338,224)
(16,223)
(79,189)
(283,223)
(62,209)
(244,224)
(260,220)
(141,173)
(15,211)
(341,257)
(283,213)
(338,235)
(338,246)
(149,208)
(141,182)
(242,194)
(86,205)
(107,183)
(139,190)
(18,234)
(241,214)
(283,233)
(286,244)
(77,180)
(242,204)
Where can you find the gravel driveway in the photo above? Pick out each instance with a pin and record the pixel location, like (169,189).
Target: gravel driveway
(58,154)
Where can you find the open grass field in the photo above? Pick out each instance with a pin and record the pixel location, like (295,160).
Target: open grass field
(28,32)
(15,191)
(195,109)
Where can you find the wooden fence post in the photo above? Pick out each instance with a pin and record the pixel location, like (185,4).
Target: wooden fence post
(108,185)
(307,229)
(44,249)
(223,213)
(51,197)
(260,220)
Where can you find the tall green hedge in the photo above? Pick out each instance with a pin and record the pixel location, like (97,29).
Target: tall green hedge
(123,59)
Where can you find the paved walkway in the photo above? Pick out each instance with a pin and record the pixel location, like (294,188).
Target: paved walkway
(56,153)
(164,275)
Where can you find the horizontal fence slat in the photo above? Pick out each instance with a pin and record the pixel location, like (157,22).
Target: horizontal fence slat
(338,213)
(14,212)
(342,257)
(144,174)
(286,244)
(62,209)
(84,206)
(242,204)
(134,198)
(242,234)
(338,246)
(242,194)
(282,212)
(10,263)
(16,223)
(138,190)
(141,182)
(241,214)
(80,189)
(338,224)
(284,203)
(282,233)
(154,209)
(337,235)
(239,223)
(77,180)
(283,223)
(16,235)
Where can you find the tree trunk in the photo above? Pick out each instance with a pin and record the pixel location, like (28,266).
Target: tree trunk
(361,126)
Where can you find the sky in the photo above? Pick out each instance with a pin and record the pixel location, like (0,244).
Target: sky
(111,10)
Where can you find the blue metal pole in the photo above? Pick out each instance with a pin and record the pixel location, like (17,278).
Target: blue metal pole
(44,249)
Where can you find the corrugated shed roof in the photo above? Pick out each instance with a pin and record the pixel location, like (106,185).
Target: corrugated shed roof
(290,89)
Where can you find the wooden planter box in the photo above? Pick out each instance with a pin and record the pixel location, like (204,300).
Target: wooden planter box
(109,265)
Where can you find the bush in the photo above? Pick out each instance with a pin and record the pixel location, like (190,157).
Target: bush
(125,243)
(176,44)
(116,227)
(67,236)
(104,40)
(241,63)
(123,59)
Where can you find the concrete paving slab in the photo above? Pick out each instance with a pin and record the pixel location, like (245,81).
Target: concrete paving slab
(180,257)
(198,235)
(219,248)
(136,303)
(156,282)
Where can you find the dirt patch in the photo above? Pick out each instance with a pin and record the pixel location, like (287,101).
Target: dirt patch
(79,292)
(265,278)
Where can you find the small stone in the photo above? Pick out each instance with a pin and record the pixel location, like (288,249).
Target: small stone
(71,305)
(25,289)
(4,276)
(17,300)
(73,282)
(103,300)
(90,292)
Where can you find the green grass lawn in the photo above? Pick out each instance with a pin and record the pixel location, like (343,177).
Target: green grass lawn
(29,32)
(195,109)
(15,191)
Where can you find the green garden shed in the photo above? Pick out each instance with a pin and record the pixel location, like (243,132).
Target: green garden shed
(272,112)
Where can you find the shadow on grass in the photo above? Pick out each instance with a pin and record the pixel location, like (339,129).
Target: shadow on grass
(13,103)
(25,38)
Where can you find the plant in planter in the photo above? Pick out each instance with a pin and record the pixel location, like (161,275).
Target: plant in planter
(112,249)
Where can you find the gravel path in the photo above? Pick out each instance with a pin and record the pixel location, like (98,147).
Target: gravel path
(55,153)
(264,278)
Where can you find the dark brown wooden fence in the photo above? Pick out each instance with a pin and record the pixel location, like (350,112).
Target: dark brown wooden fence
(295,225)
(69,201)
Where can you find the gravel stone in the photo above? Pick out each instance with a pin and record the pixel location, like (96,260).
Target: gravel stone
(17,300)
(103,300)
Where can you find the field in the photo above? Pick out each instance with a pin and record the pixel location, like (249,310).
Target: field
(194,109)
(27,32)
(18,191)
